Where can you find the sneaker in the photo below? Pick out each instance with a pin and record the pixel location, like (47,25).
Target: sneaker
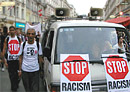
(3,69)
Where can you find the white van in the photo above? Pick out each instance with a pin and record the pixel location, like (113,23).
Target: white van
(80,37)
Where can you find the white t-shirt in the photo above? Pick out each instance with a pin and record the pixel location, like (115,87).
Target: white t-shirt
(13,48)
(30,56)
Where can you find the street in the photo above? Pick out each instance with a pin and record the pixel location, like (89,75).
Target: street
(5,83)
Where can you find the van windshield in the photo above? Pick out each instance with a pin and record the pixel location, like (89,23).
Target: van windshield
(94,41)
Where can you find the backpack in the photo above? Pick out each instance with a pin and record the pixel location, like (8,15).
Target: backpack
(36,43)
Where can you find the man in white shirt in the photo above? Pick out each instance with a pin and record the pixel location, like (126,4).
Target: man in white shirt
(12,47)
(30,57)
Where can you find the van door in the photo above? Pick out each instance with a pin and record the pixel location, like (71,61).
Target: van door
(47,57)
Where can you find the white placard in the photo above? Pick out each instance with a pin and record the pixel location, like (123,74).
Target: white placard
(36,27)
(75,75)
(117,72)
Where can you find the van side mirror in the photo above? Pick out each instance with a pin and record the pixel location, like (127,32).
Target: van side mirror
(47,52)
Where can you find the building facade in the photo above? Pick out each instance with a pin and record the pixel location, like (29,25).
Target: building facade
(13,14)
(113,8)
(52,4)
(35,11)
(73,11)
(31,11)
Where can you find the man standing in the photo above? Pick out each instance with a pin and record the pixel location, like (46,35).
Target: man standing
(12,43)
(30,54)
(19,34)
(3,36)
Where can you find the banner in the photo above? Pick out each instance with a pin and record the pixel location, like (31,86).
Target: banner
(117,72)
(75,73)
(36,27)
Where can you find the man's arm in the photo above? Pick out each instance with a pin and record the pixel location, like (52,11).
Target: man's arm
(40,59)
(20,64)
(20,40)
(4,48)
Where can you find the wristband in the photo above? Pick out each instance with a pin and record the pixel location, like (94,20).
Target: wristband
(19,71)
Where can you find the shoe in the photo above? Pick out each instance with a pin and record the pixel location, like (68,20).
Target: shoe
(13,90)
(17,86)
(3,69)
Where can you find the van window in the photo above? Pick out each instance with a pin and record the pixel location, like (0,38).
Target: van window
(94,41)
(50,40)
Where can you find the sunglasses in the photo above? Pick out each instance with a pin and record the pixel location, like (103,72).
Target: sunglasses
(30,33)
(12,30)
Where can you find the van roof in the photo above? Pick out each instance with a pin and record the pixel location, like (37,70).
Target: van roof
(73,23)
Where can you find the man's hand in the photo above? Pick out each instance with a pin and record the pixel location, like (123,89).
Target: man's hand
(1,54)
(41,59)
(6,63)
(19,73)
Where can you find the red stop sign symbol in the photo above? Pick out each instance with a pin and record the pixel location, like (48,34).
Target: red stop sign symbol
(75,71)
(13,47)
(116,67)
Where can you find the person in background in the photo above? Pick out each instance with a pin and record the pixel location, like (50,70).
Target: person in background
(4,34)
(38,36)
(120,45)
(19,34)
(30,54)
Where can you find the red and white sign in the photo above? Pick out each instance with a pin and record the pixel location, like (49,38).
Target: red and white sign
(75,73)
(13,47)
(40,12)
(117,72)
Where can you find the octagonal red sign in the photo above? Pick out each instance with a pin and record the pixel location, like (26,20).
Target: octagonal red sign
(13,47)
(116,67)
(75,71)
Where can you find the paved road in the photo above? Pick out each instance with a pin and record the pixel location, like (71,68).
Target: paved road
(5,83)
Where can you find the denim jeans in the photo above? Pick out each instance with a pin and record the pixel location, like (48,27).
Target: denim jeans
(31,81)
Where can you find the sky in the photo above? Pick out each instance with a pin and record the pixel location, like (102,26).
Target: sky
(83,6)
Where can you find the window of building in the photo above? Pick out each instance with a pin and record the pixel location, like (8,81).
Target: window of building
(32,5)
(28,3)
(17,12)
(3,10)
(35,8)
(10,12)
(22,13)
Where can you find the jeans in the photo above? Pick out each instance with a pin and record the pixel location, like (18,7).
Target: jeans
(13,67)
(31,81)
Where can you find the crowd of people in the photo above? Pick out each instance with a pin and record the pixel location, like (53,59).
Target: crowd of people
(21,55)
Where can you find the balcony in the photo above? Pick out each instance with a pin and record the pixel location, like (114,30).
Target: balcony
(23,4)
(44,5)
(38,1)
